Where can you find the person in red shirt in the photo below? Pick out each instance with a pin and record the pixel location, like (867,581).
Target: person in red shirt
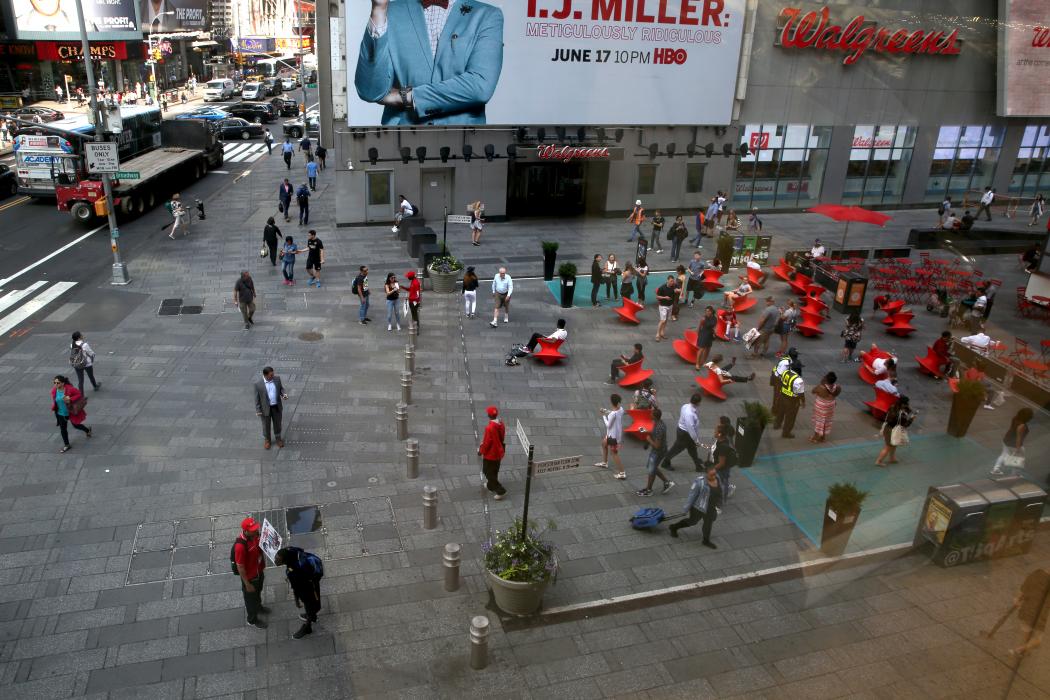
(493,446)
(942,349)
(250,564)
(415,296)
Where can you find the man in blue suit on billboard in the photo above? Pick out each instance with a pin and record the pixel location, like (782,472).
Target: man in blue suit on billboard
(431,61)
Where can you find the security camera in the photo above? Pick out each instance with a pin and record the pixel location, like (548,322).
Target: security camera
(349,165)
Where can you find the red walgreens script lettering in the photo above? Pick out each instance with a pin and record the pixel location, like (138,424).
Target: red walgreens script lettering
(567,153)
(1041,37)
(813,30)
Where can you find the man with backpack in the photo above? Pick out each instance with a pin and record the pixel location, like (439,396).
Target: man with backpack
(302,198)
(304,571)
(248,563)
(704,498)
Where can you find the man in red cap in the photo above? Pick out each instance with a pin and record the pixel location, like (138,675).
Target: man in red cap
(248,557)
(493,446)
(415,296)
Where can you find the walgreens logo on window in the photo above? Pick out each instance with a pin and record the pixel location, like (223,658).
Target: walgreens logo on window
(869,142)
(759,139)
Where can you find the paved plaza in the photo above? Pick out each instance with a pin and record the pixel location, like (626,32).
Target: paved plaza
(116,580)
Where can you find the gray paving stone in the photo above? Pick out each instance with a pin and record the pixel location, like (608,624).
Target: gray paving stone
(197,664)
(105,679)
(115,635)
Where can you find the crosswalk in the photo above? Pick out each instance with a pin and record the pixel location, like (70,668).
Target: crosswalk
(244,152)
(19,305)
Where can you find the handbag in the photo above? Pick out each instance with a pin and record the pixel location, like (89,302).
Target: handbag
(264,251)
(78,406)
(280,207)
(1014,459)
(899,436)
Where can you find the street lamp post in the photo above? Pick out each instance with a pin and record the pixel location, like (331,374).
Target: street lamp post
(120,270)
(302,77)
(153,60)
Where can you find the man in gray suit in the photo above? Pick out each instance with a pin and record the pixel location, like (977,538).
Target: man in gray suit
(269,405)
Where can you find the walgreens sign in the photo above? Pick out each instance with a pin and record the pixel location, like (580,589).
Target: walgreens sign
(816,30)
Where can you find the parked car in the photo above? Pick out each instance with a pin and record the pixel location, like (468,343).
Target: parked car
(297,127)
(257,112)
(253,91)
(30,114)
(289,83)
(218,90)
(235,128)
(238,86)
(285,107)
(273,86)
(212,114)
(8,181)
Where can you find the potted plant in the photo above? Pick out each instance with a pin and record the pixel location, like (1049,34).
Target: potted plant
(749,431)
(519,564)
(567,273)
(841,511)
(550,254)
(965,402)
(444,273)
(726,244)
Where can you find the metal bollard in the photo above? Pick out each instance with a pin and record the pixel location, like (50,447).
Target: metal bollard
(410,359)
(412,459)
(479,642)
(401,416)
(406,388)
(412,334)
(430,508)
(451,561)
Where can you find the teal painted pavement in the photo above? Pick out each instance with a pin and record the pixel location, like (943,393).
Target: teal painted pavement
(797,482)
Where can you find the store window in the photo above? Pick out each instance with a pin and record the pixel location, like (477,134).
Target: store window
(646,179)
(1032,169)
(963,161)
(694,177)
(784,167)
(379,188)
(878,164)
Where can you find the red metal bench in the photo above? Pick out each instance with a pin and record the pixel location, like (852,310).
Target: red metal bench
(882,403)
(814,305)
(800,284)
(932,363)
(711,280)
(634,374)
(900,328)
(754,278)
(721,327)
(866,360)
(628,313)
(810,325)
(547,351)
(742,304)
(892,307)
(686,348)
(783,271)
(712,385)
(642,422)
(904,316)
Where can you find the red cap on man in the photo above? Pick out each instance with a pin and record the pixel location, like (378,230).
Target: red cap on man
(249,525)
(492,411)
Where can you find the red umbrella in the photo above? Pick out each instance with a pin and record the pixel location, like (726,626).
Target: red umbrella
(848,213)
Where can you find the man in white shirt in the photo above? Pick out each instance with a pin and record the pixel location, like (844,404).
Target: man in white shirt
(559,334)
(986,203)
(404,208)
(502,289)
(818,250)
(884,366)
(687,436)
(613,419)
(888,385)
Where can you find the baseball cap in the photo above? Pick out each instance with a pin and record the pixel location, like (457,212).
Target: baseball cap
(411,274)
(492,411)
(638,202)
(249,524)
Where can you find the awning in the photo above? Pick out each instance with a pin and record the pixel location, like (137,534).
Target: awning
(198,44)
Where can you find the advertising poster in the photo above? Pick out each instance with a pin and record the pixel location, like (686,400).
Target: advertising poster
(935,522)
(747,248)
(37,18)
(269,540)
(173,15)
(602,62)
(1024,58)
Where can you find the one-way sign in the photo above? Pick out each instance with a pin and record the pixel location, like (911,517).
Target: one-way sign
(556,465)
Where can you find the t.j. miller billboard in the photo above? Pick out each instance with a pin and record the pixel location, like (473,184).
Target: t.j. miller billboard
(1024,58)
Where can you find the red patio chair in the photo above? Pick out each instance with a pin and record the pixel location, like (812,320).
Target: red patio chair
(547,352)
(866,359)
(754,278)
(686,348)
(742,304)
(721,327)
(882,403)
(892,307)
(932,363)
(900,328)
(628,313)
(800,284)
(814,305)
(642,422)
(900,316)
(634,374)
(810,325)
(710,280)
(711,385)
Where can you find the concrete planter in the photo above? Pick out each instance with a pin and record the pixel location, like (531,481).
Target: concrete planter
(444,282)
(516,598)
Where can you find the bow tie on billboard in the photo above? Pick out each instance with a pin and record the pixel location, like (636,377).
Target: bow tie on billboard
(432,3)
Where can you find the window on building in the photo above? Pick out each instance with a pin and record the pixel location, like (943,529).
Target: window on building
(784,167)
(964,161)
(878,164)
(646,179)
(1032,169)
(694,177)
(379,188)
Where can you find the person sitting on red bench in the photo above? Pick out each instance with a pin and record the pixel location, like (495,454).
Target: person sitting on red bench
(614,369)
(723,373)
(942,348)
(559,334)
(888,385)
(884,367)
(740,292)
(752,265)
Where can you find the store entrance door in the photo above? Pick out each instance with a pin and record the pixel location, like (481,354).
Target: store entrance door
(557,189)
(437,194)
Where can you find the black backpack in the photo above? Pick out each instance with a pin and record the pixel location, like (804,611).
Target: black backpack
(233,554)
(303,200)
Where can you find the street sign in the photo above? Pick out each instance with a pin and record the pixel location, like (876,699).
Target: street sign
(556,465)
(102,157)
(522,437)
(458,218)
(126,175)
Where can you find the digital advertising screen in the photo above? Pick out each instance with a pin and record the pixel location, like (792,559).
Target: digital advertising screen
(1024,58)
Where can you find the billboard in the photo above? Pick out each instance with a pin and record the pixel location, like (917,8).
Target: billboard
(37,19)
(159,16)
(1024,58)
(608,62)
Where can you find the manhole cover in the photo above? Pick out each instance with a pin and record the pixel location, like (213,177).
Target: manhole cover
(171,302)
(311,336)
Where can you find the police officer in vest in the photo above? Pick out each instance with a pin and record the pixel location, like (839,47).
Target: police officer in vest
(793,395)
(783,365)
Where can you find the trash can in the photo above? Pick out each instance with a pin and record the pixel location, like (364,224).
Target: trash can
(961,523)
(849,293)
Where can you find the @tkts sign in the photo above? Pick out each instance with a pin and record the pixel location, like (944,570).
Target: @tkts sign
(814,30)
(567,153)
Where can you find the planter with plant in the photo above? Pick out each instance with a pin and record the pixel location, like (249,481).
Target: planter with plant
(841,511)
(724,247)
(749,430)
(550,254)
(519,567)
(965,403)
(567,273)
(444,273)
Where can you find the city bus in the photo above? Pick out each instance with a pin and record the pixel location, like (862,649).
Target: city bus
(41,155)
(279,67)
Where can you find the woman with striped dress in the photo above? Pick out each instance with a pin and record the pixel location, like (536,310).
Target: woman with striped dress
(824,399)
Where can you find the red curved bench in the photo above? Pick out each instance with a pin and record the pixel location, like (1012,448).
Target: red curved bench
(744,303)
(800,284)
(711,280)
(711,385)
(814,305)
(810,325)
(882,403)
(754,278)
(932,363)
(547,352)
(686,348)
(782,270)
(722,325)
(904,316)
(628,313)
(634,374)
(642,422)
(892,307)
(866,359)
(900,328)
(814,290)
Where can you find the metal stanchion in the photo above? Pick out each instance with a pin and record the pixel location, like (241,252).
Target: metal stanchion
(410,359)
(401,416)
(451,560)
(412,332)
(406,388)
(412,458)
(479,642)
(430,508)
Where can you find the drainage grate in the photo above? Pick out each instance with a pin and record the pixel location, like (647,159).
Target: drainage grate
(169,311)
(311,336)
(191,310)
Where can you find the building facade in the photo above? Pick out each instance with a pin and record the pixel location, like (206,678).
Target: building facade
(886,106)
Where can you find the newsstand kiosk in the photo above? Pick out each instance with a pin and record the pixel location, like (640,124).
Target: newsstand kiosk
(983,519)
